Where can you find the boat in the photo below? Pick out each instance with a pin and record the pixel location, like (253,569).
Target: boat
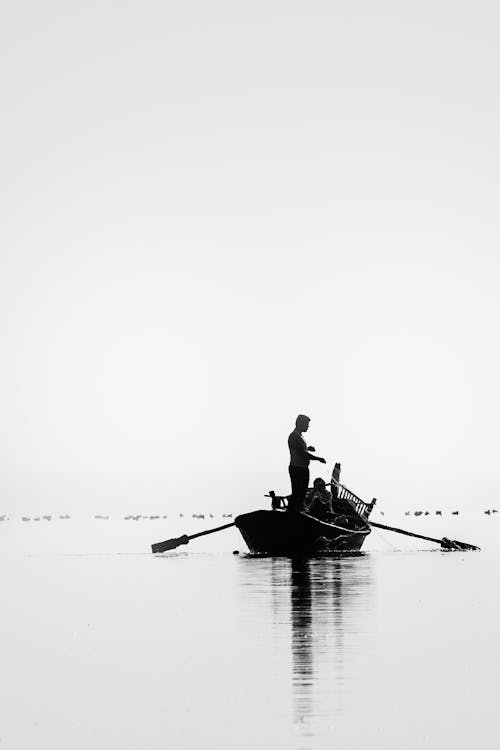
(288,533)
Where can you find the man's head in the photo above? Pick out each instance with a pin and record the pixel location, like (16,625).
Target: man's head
(302,423)
(319,484)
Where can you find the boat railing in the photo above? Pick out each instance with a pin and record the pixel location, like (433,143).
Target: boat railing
(359,506)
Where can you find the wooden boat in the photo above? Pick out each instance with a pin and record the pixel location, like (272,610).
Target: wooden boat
(290,533)
(282,532)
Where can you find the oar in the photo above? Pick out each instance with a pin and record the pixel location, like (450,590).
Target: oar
(184,539)
(444,542)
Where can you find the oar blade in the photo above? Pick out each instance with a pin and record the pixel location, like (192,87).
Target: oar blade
(453,544)
(169,544)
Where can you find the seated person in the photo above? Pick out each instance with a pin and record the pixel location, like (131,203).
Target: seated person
(318,501)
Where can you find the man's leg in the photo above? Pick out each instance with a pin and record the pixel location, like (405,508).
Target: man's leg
(299,479)
(295,482)
(304,486)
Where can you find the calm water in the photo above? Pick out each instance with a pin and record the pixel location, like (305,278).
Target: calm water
(104,646)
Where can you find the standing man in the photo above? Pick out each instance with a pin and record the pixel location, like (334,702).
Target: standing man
(300,456)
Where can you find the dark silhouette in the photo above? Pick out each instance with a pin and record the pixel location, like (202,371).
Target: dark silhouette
(169,544)
(300,457)
(318,502)
(447,544)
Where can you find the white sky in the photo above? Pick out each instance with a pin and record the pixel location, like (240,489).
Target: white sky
(218,215)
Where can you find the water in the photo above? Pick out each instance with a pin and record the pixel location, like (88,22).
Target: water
(103,645)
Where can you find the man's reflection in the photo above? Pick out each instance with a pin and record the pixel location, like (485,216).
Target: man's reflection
(302,650)
(324,593)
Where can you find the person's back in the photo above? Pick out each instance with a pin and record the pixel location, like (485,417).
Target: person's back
(298,450)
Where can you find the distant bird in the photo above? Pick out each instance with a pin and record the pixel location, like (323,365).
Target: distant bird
(438,513)
(227,515)
(487,512)
(48,518)
(165,516)
(454,512)
(418,512)
(407,512)
(37,518)
(494,511)
(153,518)
(25,518)
(181,515)
(426,513)
(2,518)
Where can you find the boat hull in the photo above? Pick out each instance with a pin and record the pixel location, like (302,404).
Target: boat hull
(284,533)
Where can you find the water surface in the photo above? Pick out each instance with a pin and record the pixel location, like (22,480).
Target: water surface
(104,645)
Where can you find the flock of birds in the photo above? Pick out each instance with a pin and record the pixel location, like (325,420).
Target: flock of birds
(202,516)
(440,513)
(98,517)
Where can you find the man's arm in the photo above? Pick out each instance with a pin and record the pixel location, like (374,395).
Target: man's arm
(297,443)
(310,450)
(316,458)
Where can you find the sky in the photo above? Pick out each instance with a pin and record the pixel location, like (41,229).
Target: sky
(218,216)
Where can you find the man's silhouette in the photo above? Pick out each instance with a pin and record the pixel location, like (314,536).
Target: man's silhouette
(300,457)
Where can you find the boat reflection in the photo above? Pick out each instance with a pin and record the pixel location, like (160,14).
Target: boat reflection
(331,600)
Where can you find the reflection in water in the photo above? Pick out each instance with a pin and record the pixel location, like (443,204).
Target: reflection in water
(302,651)
(330,603)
